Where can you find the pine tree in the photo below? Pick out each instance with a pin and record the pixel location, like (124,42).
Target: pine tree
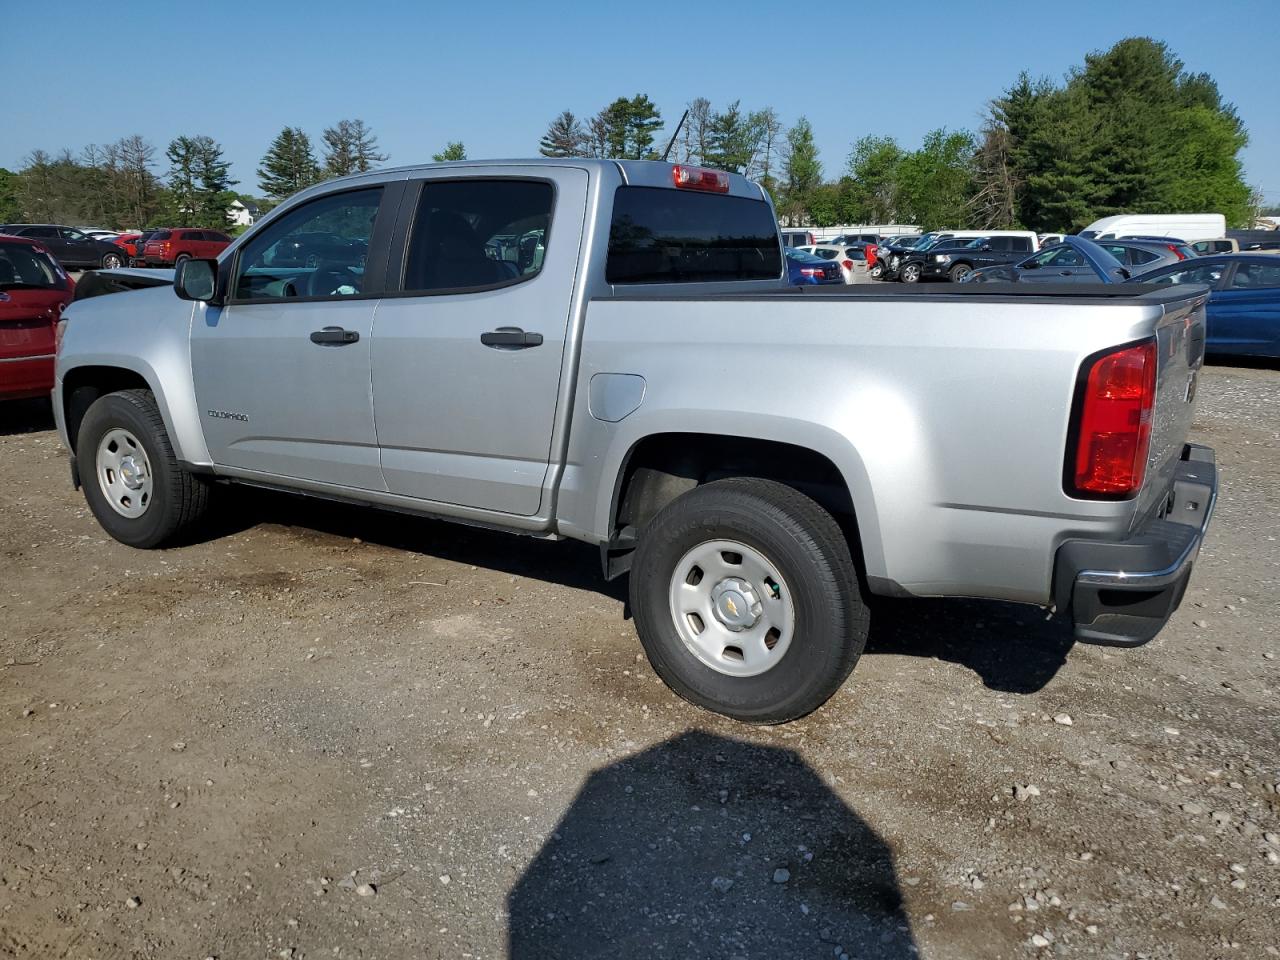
(289,165)
(625,129)
(453,150)
(564,137)
(801,168)
(214,183)
(183,157)
(729,144)
(350,147)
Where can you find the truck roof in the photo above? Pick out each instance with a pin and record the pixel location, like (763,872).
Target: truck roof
(644,173)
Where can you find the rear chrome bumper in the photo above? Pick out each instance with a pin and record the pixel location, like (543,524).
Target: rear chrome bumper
(1122,593)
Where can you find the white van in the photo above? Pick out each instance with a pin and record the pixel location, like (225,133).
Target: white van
(1188,227)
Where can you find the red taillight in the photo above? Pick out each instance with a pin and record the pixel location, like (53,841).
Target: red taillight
(1115,422)
(1177,253)
(167,245)
(700,178)
(813,271)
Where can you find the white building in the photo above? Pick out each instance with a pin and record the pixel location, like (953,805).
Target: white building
(243,213)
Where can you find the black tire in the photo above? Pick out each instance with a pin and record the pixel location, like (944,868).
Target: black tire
(959,272)
(807,547)
(179,499)
(909,273)
(180,260)
(877,271)
(112,261)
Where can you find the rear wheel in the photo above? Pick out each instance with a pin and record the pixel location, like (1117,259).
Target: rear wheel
(133,482)
(181,259)
(910,273)
(959,272)
(876,271)
(110,261)
(746,600)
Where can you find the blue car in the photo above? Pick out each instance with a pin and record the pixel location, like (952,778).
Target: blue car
(805,268)
(1244,300)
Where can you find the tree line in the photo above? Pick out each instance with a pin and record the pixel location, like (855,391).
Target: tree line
(1128,131)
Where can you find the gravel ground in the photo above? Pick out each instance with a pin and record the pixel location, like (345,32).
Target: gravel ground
(335,733)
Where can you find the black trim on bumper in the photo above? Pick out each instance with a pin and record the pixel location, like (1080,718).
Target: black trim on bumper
(1122,593)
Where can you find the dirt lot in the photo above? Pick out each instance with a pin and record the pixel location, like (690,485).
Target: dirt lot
(332,733)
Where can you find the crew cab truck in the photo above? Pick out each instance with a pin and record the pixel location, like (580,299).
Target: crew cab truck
(761,460)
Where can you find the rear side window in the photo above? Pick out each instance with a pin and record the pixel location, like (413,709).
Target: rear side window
(478,234)
(855,253)
(661,235)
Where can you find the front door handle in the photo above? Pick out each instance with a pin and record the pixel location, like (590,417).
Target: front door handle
(510,338)
(335,335)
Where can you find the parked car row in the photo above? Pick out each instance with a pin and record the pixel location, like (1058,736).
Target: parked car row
(72,248)
(1243,310)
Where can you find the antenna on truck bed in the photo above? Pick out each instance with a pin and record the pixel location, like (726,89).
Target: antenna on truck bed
(672,142)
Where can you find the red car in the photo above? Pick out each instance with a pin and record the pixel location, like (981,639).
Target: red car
(34,290)
(166,248)
(128,242)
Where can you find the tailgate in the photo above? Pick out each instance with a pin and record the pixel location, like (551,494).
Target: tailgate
(1180,342)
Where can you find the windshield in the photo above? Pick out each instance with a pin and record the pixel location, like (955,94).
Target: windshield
(25,267)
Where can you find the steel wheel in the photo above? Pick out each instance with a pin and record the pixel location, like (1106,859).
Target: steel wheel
(732,608)
(124,473)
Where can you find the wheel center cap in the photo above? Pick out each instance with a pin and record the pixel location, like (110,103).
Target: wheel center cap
(131,473)
(735,603)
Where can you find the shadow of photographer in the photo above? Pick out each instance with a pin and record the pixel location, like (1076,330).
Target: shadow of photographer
(704,846)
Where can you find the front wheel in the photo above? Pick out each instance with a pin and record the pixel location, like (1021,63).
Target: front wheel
(132,480)
(746,600)
(911,273)
(959,272)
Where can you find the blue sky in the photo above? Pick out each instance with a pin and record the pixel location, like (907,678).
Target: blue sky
(494,73)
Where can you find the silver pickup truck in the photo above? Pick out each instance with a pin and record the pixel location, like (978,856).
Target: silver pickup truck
(608,351)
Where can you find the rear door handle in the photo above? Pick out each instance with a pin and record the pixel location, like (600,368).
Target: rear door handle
(335,335)
(510,338)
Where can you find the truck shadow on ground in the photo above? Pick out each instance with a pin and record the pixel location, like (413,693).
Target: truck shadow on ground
(25,416)
(1010,646)
(703,846)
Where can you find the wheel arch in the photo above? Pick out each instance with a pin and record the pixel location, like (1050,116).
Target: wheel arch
(652,468)
(81,385)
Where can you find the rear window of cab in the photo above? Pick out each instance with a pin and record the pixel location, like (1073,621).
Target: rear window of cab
(663,235)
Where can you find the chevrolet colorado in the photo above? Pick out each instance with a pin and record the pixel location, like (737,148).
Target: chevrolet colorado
(608,351)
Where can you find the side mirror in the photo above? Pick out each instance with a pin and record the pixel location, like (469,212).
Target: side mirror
(986,248)
(196,280)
